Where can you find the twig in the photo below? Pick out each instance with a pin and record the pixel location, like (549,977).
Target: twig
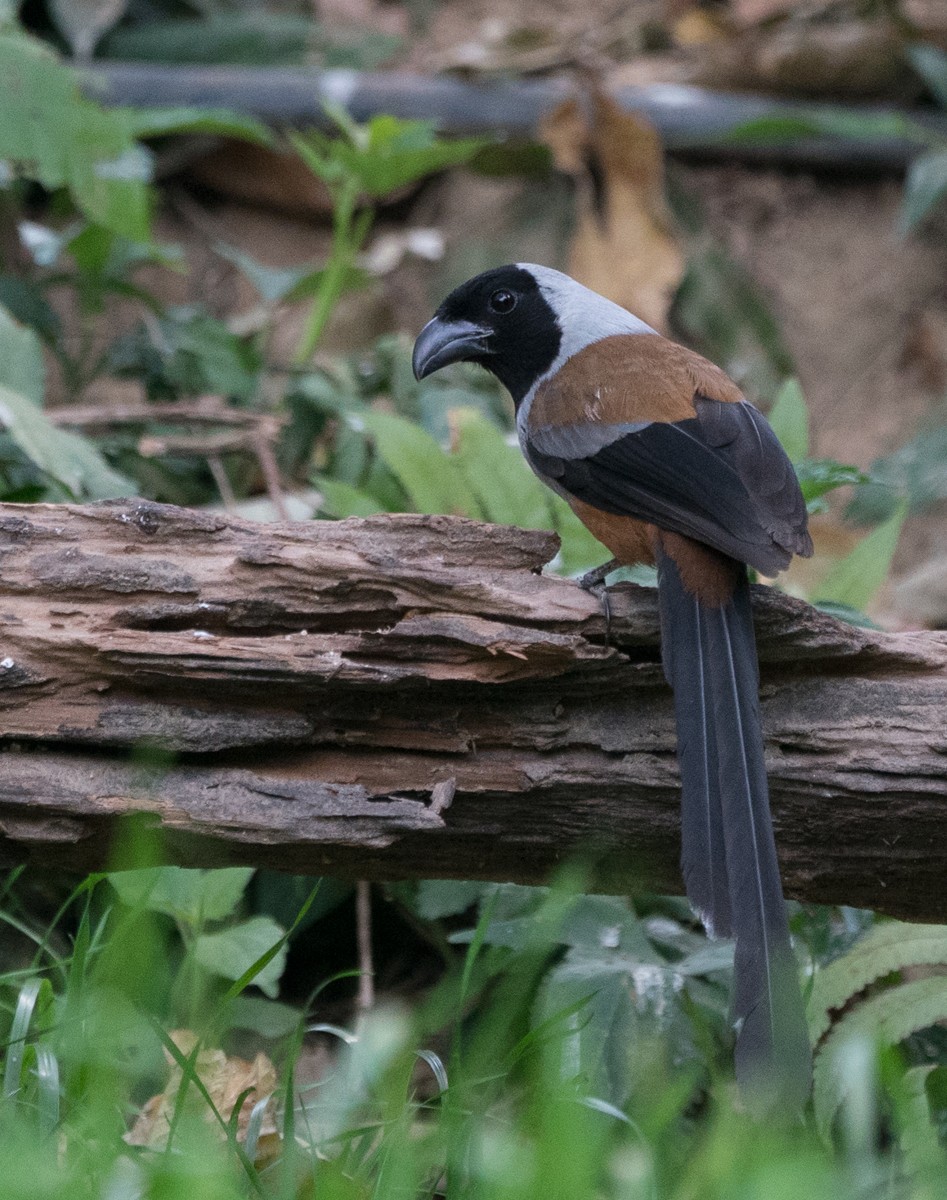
(222,480)
(363,927)
(207,410)
(263,448)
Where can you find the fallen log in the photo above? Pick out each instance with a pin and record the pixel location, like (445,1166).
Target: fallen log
(408,696)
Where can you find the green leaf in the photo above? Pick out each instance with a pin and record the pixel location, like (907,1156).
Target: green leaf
(925,186)
(917,1130)
(629,993)
(819,476)
(341,499)
(71,460)
(930,62)
(883,1020)
(15,1046)
(845,612)
(383,155)
(890,946)
(579,550)
(438,898)
(507,491)
(192,896)
(918,469)
(789,418)
(26,303)
(432,480)
(230,952)
(858,576)
(268,1018)
(52,133)
(827,122)
(21,360)
(221,122)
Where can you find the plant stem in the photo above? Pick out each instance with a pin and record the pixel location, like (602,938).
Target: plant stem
(348,234)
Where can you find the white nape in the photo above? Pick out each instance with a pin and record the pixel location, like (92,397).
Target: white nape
(584,317)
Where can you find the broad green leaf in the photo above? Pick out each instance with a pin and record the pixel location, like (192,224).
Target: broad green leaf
(579,550)
(827,122)
(883,1020)
(268,1018)
(507,490)
(53,134)
(383,155)
(819,476)
(917,1129)
(891,946)
(438,898)
(918,469)
(925,186)
(845,612)
(71,460)
(192,896)
(342,500)
(930,62)
(230,952)
(223,122)
(789,418)
(26,303)
(21,360)
(273,283)
(628,989)
(432,480)
(858,576)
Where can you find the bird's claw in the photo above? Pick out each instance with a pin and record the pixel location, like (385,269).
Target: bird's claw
(594,581)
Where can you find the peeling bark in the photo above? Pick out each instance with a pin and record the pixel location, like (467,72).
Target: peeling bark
(407,696)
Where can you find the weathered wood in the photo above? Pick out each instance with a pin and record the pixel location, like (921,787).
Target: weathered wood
(408,696)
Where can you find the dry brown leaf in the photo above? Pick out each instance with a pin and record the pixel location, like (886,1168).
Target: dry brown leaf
(226,1080)
(698,27)
(623,245)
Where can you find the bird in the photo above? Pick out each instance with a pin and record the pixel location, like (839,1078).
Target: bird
(664,460)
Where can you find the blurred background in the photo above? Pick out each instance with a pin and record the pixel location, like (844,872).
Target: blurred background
(221,224)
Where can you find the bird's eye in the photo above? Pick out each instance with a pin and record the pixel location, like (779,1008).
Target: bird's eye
(502,301)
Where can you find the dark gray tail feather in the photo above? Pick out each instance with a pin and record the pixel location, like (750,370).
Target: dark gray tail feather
(728,855)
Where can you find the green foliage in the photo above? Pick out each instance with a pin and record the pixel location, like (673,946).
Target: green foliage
(926,183)
(917,470)
(856,578)
(579,1055)
(789,418)
(384,462)
(361,164)
(70,461)
(49,132)
(887,947)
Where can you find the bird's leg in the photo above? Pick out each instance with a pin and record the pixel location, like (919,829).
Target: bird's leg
(594,581)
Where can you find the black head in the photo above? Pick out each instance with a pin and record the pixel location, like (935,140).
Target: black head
(499,319)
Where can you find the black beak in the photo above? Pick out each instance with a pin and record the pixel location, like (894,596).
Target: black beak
(441,342)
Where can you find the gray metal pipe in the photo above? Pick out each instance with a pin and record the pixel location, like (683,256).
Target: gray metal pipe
(692,121)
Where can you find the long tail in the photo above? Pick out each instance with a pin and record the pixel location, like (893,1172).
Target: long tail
(728,852)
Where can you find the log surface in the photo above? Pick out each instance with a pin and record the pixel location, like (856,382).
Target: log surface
(408,696)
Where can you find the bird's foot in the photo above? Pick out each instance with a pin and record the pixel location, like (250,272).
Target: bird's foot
(594,581)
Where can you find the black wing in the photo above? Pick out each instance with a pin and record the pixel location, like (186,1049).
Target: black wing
(720,477)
